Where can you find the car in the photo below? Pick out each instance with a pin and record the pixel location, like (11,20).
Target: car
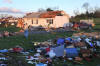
(84,26)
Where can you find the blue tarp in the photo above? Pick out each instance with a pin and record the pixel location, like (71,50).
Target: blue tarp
(68,39)
(71,52)
(59,51)
(41,64)
(60,41)
(90,44)
(3,51)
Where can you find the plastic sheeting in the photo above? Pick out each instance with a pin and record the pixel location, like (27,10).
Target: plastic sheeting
(3,64)
(3,51)
(88,41)
(52,54)
(68,39)
(59,51)
(60,41)
(98,43)
(41,64)
(71,52)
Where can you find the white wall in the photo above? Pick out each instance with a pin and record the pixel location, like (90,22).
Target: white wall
(59,21)
(90,21)
(41,21)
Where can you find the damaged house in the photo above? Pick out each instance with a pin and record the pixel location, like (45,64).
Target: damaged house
(54,19)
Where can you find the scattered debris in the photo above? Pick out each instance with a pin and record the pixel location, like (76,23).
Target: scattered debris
(75,49)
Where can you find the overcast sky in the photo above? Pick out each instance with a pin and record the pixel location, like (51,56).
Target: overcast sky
(20,6)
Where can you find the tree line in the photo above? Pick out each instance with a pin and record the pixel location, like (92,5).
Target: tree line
(89,13)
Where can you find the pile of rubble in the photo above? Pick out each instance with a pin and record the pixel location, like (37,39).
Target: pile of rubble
(75,49)
(92,34)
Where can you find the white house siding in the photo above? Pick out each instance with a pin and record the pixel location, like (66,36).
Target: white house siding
(60,21)
(90,21)
(41,21)
(27,21)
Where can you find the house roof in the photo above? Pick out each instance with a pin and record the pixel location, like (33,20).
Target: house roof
(33,15)
(49,14)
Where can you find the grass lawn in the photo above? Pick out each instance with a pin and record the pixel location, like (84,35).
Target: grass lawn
(9,29)
(97,23)
(12,41)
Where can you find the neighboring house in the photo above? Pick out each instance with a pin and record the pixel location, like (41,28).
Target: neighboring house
(54,19)
(13,21)
(89,21)
(9,20)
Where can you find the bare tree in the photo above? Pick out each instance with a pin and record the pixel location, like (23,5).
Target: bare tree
(97,12)
(41,10)
(86,6)
(91,9)
(76,12)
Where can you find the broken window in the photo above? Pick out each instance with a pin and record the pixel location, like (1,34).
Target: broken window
(50,21)
(37,21)
(32,21)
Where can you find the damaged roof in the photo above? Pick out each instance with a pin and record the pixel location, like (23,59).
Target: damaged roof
(33,15)
(49,14)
